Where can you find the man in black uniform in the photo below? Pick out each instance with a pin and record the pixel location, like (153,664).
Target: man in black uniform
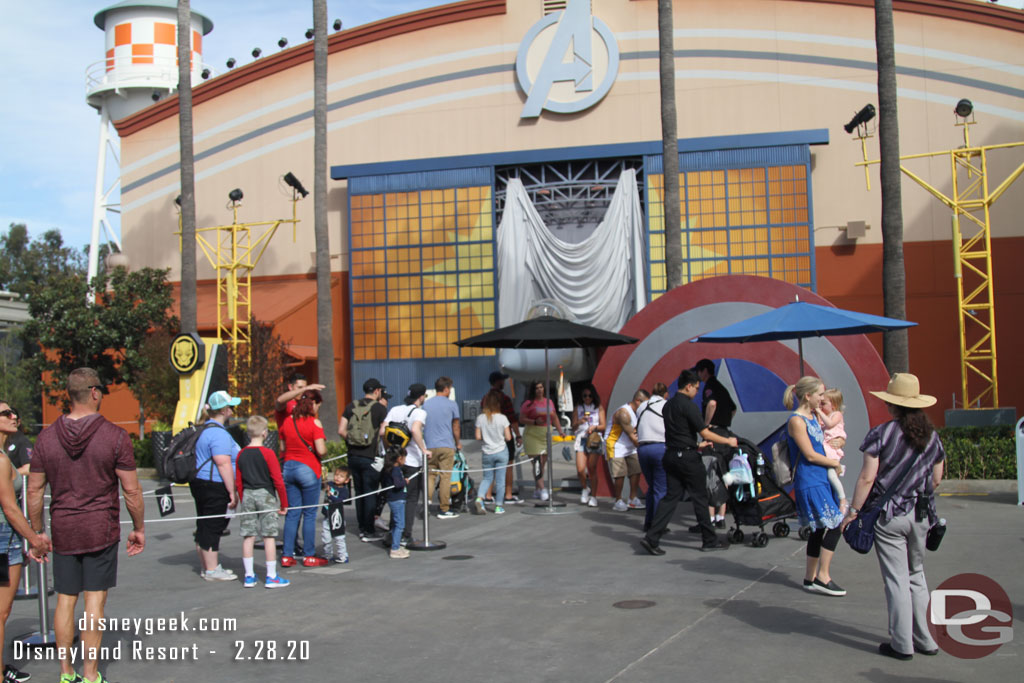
(718,408)
(361,426)
(685,430)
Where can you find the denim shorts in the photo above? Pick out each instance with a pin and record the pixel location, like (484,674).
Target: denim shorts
(10,543)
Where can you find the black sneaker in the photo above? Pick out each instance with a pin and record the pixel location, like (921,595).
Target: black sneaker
(886,649)
(923,651)
(809,586)
(711,547)
(12,674)
(831,588)
(651,547)
(720,524)
(695,529)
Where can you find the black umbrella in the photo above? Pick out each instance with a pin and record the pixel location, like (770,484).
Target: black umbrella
(547,332)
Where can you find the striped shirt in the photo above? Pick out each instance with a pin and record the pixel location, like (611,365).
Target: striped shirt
(890,446)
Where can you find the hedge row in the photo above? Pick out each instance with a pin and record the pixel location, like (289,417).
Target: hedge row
(980,452)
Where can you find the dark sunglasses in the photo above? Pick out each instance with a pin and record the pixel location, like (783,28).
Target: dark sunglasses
(9,413)
(103,389)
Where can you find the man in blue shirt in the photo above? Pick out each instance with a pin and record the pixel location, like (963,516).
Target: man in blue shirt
(441,435)
(214,485)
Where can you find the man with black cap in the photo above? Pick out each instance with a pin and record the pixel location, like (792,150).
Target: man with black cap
(718,408)
(497,382)
(412,415)
(361,426)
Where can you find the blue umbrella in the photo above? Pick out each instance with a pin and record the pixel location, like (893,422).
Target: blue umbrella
(798,320)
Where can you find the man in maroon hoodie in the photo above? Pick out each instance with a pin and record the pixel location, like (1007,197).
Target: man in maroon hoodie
(82,456)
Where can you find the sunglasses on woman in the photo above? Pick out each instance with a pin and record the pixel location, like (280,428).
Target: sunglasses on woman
(9,413)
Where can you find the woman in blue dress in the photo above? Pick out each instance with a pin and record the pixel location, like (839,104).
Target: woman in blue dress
(816,501)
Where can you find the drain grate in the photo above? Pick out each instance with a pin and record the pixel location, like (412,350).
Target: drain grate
(634,604)
(457,557)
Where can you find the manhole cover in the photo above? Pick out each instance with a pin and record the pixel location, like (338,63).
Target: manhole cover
(634,604)
(457,557)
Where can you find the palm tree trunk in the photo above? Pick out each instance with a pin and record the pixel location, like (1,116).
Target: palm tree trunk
(895,344)
(324,310)
(187,164)
(669,146)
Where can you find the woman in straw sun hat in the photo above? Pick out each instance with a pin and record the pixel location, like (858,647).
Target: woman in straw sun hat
(908,443)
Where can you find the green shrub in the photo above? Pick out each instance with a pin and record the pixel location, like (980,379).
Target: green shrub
(980,452)
(143,451)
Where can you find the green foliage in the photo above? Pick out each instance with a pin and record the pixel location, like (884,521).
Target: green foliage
(336,448)
(27,267)
(157,388)
(143,451)
(19,385)
(106,334)
(980,452)
(257,369)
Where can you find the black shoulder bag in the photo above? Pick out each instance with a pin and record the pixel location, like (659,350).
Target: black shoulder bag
(860,533)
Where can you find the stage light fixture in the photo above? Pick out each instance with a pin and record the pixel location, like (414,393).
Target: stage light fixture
(155,96)
(256,52)
(337,24)
(293,182)
(309,34)
(177,200)
(205,74)
(231,62)
(860,118)
(235,195)
(283,42)
(964,108)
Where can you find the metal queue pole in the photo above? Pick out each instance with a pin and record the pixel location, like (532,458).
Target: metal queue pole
(426,544)
(26,590)
(551,507)
(44,637)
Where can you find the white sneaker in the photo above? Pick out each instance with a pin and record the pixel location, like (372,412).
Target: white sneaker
(592,503)
(637,504)
(585,496)
(620,506)
(545,494)
(219,574)
(537,493)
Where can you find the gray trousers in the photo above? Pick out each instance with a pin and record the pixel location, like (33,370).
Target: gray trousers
(899,544)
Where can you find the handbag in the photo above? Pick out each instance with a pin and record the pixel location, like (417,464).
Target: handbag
(860,533)
(304,443)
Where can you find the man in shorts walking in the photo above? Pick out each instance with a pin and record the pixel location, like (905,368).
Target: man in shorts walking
(83,457)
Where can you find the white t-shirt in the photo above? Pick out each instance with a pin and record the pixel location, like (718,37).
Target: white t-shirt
(650,423)
(493,432)
(408,415)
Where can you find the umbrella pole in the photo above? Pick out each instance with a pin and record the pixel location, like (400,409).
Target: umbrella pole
(551,508)
(800,347)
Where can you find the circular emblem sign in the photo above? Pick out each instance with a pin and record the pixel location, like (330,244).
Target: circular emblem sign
(970,616)
(188,353)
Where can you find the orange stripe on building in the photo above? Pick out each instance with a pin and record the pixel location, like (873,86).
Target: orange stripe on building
(110,59)
(123,34)
(197,41)
(164,34)
(142,53)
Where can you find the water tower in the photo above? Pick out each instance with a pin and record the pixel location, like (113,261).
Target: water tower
(140,67)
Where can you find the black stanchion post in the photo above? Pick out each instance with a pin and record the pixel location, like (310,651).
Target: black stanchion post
(426,544)
(44,637)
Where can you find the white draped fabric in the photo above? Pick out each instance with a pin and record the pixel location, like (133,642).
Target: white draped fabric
(601,280)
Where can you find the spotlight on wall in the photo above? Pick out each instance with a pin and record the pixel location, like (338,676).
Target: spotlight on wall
(293,182)
(309,34)
(231,62)
(964,108)
(337,24)
(155,96)
(205,73)
(282,42)
(177,200)
(256,52)
(235,195)
(860,118)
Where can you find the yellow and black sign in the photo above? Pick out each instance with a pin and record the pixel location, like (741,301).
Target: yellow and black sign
(188,353)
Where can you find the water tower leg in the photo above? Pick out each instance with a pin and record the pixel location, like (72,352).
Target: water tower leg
(99,201)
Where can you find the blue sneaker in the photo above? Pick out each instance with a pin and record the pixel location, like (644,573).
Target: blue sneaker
(249,582)
(277,582)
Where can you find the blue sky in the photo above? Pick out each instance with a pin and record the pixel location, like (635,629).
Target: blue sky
(50,134)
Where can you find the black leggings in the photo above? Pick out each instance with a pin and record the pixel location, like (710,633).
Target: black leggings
(823,538)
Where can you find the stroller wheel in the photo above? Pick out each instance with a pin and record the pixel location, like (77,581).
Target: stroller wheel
(780,529)
(805,533)
(736,536)
(760,540)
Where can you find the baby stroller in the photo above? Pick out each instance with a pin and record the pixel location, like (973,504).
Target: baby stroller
(463,488)
(755,498)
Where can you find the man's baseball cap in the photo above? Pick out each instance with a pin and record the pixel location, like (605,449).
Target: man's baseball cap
(222,399)
(371,385)
(415,391)
(495,376)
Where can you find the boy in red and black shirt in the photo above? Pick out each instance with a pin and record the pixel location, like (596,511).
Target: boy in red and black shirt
(257,477)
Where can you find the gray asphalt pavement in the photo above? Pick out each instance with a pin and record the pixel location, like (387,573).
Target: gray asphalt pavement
(520,597)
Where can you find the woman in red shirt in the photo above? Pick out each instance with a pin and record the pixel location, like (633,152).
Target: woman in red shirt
(304,447)
(534,414)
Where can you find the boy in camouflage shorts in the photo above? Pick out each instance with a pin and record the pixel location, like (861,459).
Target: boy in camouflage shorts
(257,477)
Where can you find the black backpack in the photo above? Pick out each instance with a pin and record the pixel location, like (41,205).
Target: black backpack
(178,461)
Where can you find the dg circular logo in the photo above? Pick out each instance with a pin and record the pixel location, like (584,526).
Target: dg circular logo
(970,616)
(187,352)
